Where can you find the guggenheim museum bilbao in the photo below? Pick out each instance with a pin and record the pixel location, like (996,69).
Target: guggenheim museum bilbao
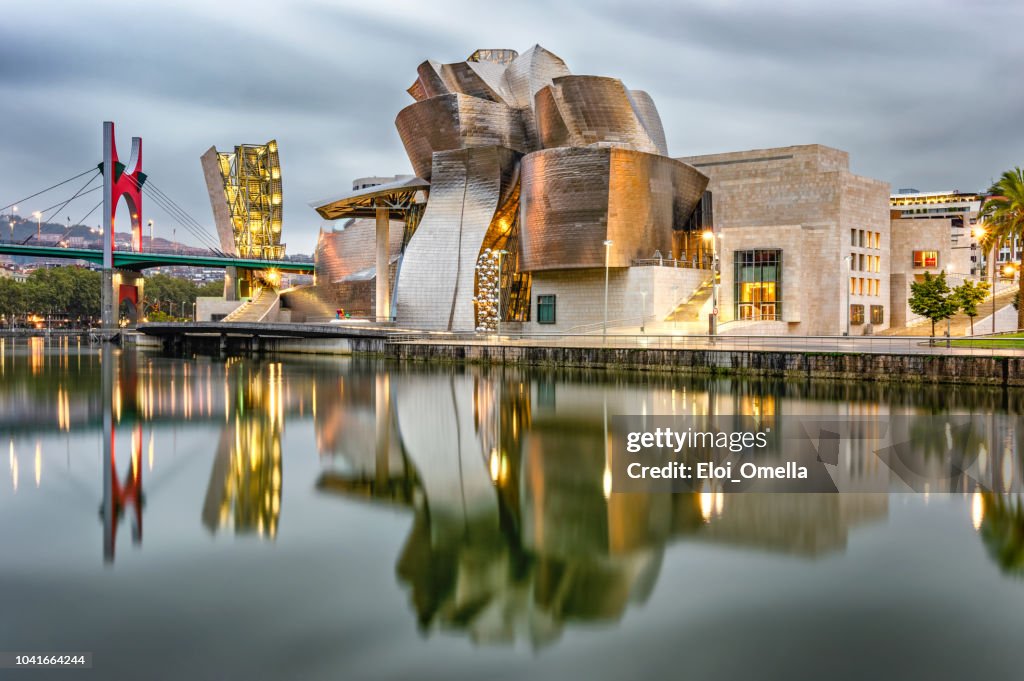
(550,200)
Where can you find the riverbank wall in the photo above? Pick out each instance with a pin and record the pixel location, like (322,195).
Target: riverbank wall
(880,367)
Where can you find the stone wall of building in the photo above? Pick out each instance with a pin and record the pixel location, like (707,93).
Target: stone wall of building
(804,201)
(909,236)
(633,292)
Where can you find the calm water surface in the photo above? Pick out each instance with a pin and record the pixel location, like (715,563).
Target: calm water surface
(341,519)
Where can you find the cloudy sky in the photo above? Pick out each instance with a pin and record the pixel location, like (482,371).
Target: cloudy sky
(925,93)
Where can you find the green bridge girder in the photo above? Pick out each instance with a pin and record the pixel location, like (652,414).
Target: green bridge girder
(130,260)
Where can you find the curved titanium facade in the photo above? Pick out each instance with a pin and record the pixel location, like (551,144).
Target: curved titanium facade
(523,156)
(573,199)
(456,121)
(590,110)
(438,278)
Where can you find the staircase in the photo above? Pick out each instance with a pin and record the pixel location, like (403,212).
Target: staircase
(258,309)
(689,311)
(306,305)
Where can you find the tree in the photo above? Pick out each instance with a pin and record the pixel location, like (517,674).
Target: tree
(966,297)
(930,298)
(12,299)
(1003,214)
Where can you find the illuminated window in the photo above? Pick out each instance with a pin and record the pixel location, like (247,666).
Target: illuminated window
(758,284)
(877,314)
(875,285)
(926,258)
(856,314)
(878,239)
(546,309)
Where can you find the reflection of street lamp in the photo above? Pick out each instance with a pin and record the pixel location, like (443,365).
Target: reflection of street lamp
(979,232)
(849,285)
(607,255)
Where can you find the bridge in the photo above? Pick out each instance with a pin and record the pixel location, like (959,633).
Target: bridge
(248,247)
(138,260)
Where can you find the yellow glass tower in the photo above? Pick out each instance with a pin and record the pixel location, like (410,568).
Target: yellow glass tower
(245,193)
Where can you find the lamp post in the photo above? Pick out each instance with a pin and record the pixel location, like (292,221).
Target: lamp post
(949,335)
(849,285)
(501,253)
(643,310)
(151,235)
(607,256)
(39,225)
(709,235)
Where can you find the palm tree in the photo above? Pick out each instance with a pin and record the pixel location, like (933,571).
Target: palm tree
(1003,213)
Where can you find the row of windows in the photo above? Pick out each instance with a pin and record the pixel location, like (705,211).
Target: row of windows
(865,239)
(857,314)
(859,286)
(860,262)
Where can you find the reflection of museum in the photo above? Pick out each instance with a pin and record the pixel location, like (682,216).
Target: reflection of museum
(537,193)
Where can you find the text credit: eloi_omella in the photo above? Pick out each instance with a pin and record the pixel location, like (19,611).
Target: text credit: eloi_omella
(792,453)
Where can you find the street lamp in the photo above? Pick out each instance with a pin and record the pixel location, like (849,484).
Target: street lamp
(709,235)
(849,285)
(643,310)
(607,256)
(501,253)
(151,235)
(39,225)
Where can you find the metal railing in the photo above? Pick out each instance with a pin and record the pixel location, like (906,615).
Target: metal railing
(669,262)
(940,345)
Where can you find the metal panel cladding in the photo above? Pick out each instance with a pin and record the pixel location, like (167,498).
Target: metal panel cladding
(456,121)
(573,199)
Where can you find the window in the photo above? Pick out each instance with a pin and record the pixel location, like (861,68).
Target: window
(758,284)
(877,314)
(853,285)
(878,239)
(878,263)
(853,262)
(926,258)
(861,244)
(853,237)
(546,309)
(856,314)
(860,263)
(875,285)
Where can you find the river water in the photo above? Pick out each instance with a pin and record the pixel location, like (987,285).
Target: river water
(325,518)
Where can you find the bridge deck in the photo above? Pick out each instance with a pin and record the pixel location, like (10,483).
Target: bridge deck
(132,260)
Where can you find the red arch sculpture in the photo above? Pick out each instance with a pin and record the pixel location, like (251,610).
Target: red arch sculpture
(126,180)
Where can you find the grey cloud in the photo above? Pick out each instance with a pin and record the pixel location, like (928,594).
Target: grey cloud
(920,93)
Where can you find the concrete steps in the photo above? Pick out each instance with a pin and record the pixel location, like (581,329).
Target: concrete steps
(259,309)
(690,309)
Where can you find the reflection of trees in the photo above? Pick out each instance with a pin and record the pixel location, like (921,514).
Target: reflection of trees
(244,492)
(1002,531)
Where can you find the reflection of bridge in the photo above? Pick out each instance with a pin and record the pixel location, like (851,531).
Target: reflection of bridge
(136,260)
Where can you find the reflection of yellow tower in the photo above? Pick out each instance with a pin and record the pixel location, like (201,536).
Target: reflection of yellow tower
(245,192)
(245,484)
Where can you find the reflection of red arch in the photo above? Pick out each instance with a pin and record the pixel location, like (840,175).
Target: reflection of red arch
(129,493)
(127,181)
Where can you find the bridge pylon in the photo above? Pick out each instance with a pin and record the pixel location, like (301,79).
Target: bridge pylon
(120,180)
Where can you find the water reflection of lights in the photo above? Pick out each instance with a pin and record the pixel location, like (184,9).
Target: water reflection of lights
(39,462)
(606,482)
(711,504)
(14,467)
(977,510)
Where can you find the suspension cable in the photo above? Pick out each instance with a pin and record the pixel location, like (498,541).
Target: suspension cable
(80,192)
(11,205)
